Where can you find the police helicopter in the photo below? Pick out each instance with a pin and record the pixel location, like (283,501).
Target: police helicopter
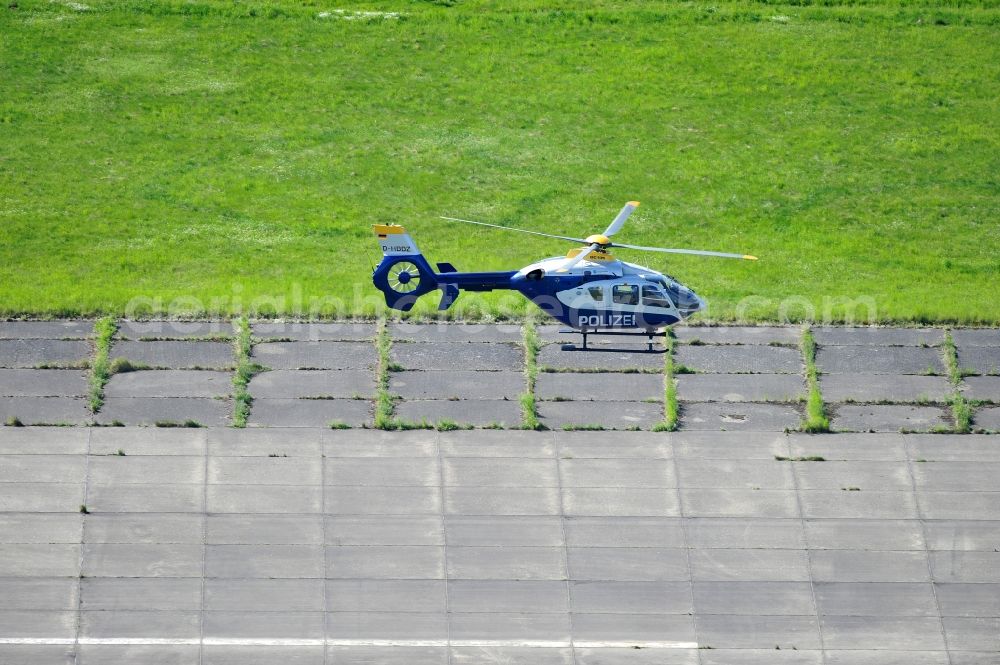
(588,289)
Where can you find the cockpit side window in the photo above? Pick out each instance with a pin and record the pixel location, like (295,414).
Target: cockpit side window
(653,297)
(597,293)
(625,294)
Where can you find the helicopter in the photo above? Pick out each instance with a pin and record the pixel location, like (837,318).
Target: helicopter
(589,289)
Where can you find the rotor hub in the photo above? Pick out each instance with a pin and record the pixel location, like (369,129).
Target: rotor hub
(598,239)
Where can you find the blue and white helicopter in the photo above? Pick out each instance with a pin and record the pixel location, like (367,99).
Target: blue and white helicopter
(588,289)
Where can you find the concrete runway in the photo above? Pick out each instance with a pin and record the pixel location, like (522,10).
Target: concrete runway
(309,546)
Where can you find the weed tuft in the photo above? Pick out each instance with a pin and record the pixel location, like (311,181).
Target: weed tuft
(13,421)
(339,424)
(100,372)
(385,404)
(816,421)
(529,407)
(245,370)
(671,409)
(450,426)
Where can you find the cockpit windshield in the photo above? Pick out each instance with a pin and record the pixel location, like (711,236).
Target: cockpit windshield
(652,296)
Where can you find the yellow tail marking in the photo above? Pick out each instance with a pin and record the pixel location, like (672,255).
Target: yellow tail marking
(388,229)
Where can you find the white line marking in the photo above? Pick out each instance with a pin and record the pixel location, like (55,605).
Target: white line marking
(292,642)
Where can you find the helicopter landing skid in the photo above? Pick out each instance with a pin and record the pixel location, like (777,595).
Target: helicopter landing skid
(649,335)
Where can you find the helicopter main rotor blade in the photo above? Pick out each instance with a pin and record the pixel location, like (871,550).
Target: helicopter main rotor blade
(619,221)
(696,252)
(584,253)
(511,228)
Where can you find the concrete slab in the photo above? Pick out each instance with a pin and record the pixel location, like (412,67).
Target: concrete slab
(969,600)
(144,528)
(980,359)
(617,415)
(870,632)
(40,528)
(456,332)
(43,383)
(744,533)
(748,359)
(879,360)
(618,532)
(146,498)
(877,336)
(159,441)
(140,594)
(498,472)
(479,412)
(888,418)
(612,386)
(868,566)
(850,447)
(976,336)
(142,560)
(722,631)
(383,500)
(56,329)
(617,473)
(628,564)
(869,475)
(880,387)
(760,335)
(27,353)
(170,383)
(175,355)
(735,474)
(738,417)
(780,598)
(44,440)
(600,358)
(44,410)
(313,331)
(850,503)
(286,384)
(952,447)
(876,599)
(739,503)
(965,566)
(400,562)
(962,535)
(315,355)
(501,500)
(987,419)
(979,634)
(457,384)
(264,471)
(620,501)
(263,499)
(264,561)
(40,497)
(309,412)
(170,330)
(450,356)
(503,530)
(740,387)
(982,388)
(749,565)
(165,411)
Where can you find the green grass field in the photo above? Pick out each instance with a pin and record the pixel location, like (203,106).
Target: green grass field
(214,157)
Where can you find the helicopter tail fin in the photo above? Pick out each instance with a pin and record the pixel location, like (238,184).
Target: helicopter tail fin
(394,240)
(403,275)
